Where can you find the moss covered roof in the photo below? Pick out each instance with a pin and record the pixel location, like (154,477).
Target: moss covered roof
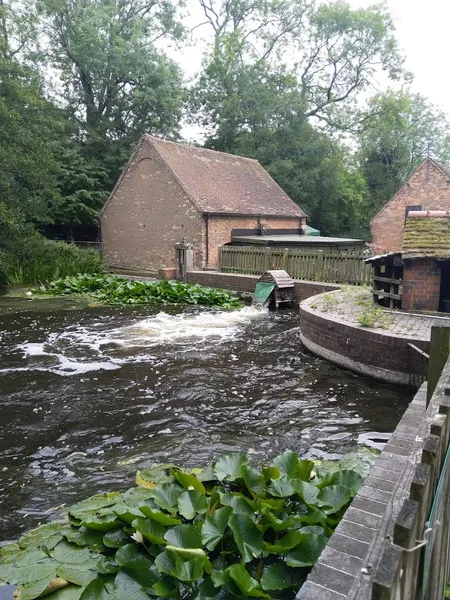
(427,236)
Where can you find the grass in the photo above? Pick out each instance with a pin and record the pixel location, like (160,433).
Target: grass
(373,316)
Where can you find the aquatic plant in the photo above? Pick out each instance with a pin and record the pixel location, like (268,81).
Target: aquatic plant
(227,531)
(45,260)
(114,290)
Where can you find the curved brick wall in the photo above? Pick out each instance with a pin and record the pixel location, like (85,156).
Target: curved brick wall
(383,356)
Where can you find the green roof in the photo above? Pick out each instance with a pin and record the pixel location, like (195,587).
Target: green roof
(311,230)
(427,236)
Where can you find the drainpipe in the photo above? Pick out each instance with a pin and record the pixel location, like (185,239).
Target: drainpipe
(206,217)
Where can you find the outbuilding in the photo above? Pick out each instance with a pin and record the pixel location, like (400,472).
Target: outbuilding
(171,194)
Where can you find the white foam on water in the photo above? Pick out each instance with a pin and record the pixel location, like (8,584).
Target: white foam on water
(64,349)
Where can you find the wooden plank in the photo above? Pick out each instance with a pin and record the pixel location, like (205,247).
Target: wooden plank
(439,353)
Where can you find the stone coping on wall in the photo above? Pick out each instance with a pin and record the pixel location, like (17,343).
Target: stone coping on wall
(346,566)
(246,283)
(378,353)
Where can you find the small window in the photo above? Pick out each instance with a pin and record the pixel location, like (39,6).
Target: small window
(410,208)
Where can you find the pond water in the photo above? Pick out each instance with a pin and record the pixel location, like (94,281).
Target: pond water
(89,395)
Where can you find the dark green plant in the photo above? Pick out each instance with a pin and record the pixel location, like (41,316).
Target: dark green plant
(226,531)
(38,260)
(114,290)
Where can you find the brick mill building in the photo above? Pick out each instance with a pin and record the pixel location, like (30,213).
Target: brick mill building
(172,193)
(428,188)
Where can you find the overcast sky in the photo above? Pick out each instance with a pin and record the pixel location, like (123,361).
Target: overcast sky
(422,31)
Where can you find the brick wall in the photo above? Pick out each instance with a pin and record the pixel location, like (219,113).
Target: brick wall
(247,283)
(362,350)
(428,187)
(421,284)
(148,214)
(219,230)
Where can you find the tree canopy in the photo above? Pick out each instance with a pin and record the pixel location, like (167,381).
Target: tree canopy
(292,83)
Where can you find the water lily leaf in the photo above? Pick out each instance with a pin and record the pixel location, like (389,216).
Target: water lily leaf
(304,469)
(32,590)
(94,503)
(240,577)
(349,479)
(85,537)
(166,496)
(229,467)
(206,590)
(171,564)
(191,503)
(333,497)
(188,481)
(166,587)
(307,492)
(278,576)
(317,529)
(70,554)
(247,536)
(126,555)
(275,523)
(281,487)
(136,496)
(95,591)
(9,550)
(307,551)
(271,473)
(184,536)
(254,480)
(206,474)
(68,592)
(213,529)
(287,463)
(151,530)
(312,517)
(238,503)
(127,513)
(76,574)
(155,475)
(153,512)
(115,538)
(45,535)
(106,565)
(287,542)
(141,482)
(137,565)
(101,523)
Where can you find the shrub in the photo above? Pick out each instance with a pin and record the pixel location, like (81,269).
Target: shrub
(226,531)
(39,260)
(111,289)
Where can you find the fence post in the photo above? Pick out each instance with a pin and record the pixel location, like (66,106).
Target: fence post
(439,353)
(319,263)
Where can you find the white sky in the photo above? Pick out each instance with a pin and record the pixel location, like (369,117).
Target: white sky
(422,32)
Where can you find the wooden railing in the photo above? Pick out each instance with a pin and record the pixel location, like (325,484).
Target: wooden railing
(313,265)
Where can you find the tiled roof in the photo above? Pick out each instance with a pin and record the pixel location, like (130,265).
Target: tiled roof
(427,236)
(220,183)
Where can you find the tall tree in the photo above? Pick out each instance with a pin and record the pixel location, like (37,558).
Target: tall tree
(329,53)
(401,130)
(115,82)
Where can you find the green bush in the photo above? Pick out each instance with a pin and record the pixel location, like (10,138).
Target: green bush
(114,290)
(223,532)
(38,260)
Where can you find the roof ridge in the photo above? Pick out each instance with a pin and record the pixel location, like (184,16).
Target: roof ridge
(201,148)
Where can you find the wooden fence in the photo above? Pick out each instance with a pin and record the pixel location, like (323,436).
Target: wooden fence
(312,265)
